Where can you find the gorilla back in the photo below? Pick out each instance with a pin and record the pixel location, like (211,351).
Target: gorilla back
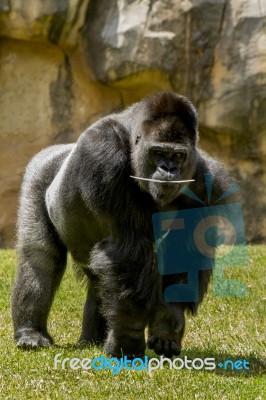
(81,198)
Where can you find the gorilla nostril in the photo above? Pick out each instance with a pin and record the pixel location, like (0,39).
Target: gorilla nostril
(173,170)
(168,169)
(165,168)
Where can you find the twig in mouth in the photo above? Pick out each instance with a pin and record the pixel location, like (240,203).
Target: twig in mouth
(157,180)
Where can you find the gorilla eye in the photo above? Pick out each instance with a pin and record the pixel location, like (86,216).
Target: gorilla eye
(181,156)
(160,154)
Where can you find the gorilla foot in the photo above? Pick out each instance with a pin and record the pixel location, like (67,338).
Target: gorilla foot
(119,346)
(169,348)
(30,339)
(166,330)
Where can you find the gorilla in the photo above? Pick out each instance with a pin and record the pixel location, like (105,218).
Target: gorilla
(95,199)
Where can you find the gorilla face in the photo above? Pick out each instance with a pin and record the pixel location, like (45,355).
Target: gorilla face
(164,152)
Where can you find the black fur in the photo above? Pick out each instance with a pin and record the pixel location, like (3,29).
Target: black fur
(80,198)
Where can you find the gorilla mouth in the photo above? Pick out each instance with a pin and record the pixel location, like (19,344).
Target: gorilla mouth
(161,181)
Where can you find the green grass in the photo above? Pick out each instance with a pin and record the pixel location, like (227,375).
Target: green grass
(225,328)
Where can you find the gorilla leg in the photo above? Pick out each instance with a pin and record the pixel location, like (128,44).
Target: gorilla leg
(119,284)
(39,275)
(167,324)
(94,324)
(42,261)
(41,253)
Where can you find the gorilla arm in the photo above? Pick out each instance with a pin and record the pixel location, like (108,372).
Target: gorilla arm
(167,324)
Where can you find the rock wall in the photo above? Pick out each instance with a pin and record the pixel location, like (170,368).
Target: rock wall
(64,64)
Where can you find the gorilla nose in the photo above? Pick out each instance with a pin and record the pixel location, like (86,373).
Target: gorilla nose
(168,167)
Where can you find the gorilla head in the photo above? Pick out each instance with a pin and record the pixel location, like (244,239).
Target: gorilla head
(165,146)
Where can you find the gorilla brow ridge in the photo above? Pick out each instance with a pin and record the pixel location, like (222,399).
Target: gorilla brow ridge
(166,104)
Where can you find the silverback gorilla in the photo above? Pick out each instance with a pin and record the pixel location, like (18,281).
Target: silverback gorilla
(81,198)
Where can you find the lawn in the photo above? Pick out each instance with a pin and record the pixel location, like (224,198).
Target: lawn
(224,329)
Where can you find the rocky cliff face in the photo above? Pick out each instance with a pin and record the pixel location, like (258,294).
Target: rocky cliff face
(64,64)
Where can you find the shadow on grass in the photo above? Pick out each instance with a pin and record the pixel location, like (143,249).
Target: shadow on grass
(68,346)
(256,365)
(80,346)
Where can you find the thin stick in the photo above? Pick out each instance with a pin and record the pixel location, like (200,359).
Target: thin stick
(156,180)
